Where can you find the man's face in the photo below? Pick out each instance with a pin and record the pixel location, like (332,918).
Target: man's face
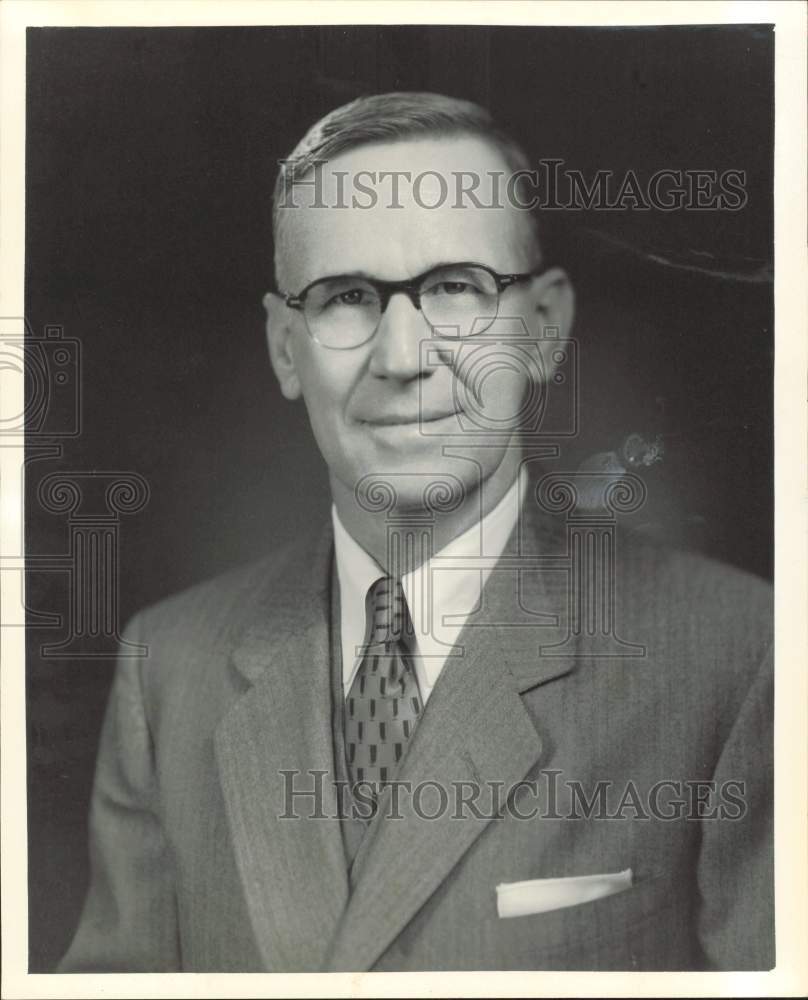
(391,404)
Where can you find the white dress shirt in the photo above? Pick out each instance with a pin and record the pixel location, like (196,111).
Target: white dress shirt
(456,588)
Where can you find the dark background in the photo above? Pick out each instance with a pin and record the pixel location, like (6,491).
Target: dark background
(151,155)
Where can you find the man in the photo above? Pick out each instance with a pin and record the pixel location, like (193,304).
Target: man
(469,725)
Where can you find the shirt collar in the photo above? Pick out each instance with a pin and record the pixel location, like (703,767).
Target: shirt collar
(456,587)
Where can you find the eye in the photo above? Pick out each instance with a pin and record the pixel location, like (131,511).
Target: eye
(350,297)
(464,282)
(453,287)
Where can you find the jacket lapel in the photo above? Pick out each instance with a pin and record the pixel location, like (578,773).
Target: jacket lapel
(293,871)
(475,729)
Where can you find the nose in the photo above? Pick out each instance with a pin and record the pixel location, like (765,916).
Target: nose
(397,352)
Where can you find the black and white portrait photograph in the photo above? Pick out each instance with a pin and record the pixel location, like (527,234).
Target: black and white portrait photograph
(395,421)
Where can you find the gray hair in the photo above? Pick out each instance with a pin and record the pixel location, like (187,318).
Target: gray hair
(387,118)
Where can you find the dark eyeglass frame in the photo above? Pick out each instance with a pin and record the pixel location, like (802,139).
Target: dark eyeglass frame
(411,287)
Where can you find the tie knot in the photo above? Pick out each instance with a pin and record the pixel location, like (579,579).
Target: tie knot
(387,610)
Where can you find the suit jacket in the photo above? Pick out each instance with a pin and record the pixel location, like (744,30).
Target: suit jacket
(193,868)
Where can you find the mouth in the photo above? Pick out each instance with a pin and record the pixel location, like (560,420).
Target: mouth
(405,420)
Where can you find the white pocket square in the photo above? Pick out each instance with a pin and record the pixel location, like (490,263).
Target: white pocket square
(539,895)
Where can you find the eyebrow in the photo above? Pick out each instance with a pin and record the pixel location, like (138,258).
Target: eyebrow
(374,277)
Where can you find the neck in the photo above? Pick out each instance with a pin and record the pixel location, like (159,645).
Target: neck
(370,529)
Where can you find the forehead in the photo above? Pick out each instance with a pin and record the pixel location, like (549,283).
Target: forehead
(367,225)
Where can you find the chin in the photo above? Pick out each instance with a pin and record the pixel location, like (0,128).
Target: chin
(414,483)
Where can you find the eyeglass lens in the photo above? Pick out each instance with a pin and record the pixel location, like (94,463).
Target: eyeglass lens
(456,301)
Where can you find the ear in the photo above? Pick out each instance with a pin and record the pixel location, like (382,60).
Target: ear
(554,301)
(279,340)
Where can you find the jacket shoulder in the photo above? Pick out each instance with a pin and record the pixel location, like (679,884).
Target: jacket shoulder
(690,581)
(209,600)
(200,624)
(700,615)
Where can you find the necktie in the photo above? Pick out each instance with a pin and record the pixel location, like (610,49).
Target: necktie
(384,702)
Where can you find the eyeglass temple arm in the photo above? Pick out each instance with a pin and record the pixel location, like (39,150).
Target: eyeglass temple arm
(506,280)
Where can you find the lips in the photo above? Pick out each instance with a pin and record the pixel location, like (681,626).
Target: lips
(396,419)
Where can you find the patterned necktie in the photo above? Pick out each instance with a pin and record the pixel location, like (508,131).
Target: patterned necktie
(384,702)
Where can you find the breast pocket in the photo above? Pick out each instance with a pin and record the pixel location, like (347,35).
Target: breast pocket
(645,926)
(541,895)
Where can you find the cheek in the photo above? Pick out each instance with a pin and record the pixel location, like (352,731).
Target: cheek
(321,376)
(327,381)
(492,385)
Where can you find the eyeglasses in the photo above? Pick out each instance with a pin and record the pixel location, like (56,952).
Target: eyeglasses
(457,300)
